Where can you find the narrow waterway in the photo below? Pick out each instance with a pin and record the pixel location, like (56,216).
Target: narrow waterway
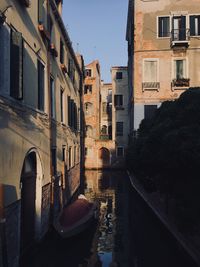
(127,235)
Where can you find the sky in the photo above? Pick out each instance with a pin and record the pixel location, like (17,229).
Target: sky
(97,29)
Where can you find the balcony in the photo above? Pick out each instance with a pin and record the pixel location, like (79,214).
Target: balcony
(150,86)
(180,83)
(104,137)
(180,37)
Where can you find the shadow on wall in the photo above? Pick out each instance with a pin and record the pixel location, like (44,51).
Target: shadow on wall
(10,193)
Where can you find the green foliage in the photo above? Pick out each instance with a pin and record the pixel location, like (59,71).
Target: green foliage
(167,149)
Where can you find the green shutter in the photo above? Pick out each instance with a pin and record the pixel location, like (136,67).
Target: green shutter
(16,65)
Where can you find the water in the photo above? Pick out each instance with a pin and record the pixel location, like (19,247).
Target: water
(126,235)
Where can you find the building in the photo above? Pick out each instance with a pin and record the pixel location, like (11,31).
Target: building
(104,145)
(99,148)
(40,109)
(120,114)
(106,111)
(163,53)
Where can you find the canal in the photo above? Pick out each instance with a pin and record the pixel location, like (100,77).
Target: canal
(127,234)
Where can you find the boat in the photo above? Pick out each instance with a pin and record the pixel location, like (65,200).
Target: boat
(76,217)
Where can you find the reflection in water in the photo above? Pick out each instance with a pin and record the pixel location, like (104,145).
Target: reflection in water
(127,234)
(107,189)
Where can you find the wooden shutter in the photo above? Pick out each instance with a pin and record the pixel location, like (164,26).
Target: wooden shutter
(40,86)
(40,11)
(69,110)
(16,65)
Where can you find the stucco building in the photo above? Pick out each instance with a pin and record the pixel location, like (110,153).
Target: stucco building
(106,122)
(163,53)
(120,114)
(40,108)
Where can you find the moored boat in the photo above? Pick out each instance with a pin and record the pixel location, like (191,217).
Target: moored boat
(75,217)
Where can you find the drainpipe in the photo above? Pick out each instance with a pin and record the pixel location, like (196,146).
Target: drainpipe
(3,247)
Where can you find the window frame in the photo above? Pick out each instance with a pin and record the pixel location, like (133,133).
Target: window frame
(170,26)
(186,67)
(190,15)
(143,65)
(122,132)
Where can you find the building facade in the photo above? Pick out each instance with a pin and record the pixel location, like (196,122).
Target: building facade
(40,109)
(120,112)
(104,145)
(163,53)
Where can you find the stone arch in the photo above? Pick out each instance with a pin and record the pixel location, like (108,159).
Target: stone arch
(31,199)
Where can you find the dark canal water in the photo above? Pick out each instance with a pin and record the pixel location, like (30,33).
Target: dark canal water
(127,234)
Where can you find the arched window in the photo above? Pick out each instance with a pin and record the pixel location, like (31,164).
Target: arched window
(89,131)
(104,129)
(88,108)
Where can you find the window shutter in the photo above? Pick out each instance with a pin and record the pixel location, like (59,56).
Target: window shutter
(40,11)
(115,100)
(16,65)
(69,110)
(40,86)
(160,32)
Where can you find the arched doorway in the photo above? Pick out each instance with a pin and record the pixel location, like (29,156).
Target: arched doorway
(104,155)
(28,201)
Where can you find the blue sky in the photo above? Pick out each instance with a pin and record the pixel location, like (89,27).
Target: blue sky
(99,28)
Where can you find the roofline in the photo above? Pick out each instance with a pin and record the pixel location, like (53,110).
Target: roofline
(65,33)
(119,67)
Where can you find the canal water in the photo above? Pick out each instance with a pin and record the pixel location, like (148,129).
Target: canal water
(127,234)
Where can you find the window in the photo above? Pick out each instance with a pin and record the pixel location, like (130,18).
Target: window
(118,100)
(195,25)
(119,128)
(89,131)
(88,108)
(40,86)
(149,111)
(63,153)
(40,11)
(70,157)
(52,88)
(54,161)
(88,73)
(104,129)
(104,108)
(120,151)
(179,28)
(88,89)
(16,65)
(74,155)
(150,70)
(61,52)
(61,105)
(119,75)
(180,69)
(163,27)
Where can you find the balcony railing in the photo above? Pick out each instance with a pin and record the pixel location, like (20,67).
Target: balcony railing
(104,137)
(181,82)
(180,37)
(150,86)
